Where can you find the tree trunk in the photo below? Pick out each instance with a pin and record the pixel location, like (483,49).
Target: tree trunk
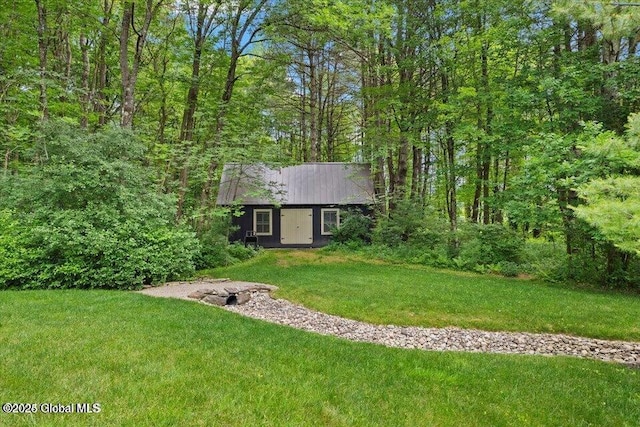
(205,195)
(85,96)
(100,98)
(486,208)
(313,98)
(449,150)
(391,172)
(42,50)
(496,214)
(416,173)
(188,117)
(187,128)
(304,149)
(475,206)
(128,106)
(486,158)
(451,190)
(129,69)
(241,22)
(426,170)
(402,170)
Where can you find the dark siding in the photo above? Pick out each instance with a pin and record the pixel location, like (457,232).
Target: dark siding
(245,223)
(318,239)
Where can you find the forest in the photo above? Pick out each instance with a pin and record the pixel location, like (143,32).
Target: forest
(503,135)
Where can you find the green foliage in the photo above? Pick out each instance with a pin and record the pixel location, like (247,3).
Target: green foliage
(591,165)
(93,215)
(486,248)
(614,209)
(499,244)
(613,200)
(355,228)
(545,258)
(496,125)
(410,224)
(15,260)
(394,231)
(220,253)
(410,235)
(216,250)
(509,269)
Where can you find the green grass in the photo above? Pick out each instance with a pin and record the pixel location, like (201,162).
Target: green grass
(161,362)
(385,293)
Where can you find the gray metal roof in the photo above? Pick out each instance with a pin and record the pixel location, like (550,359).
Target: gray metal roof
(305,184)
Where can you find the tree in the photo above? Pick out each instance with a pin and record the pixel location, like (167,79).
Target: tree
(613,208)
(130,67)
(613,201)
(202,18)
(243,26)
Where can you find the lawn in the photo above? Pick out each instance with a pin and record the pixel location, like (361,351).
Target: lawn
(161,362)
(385,293)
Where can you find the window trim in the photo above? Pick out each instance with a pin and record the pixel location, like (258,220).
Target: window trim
(322,212)
(255,221)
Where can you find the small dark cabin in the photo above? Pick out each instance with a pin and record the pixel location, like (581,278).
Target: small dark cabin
(295,206)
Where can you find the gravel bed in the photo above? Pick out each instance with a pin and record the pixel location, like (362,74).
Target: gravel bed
(262,306)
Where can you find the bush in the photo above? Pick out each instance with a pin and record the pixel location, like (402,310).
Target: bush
(400,226)
(355,228)
(215,248)
(411,225)
(499,244)
(545,259)
(93,215)
(15,260)
(490,244)
(509,269)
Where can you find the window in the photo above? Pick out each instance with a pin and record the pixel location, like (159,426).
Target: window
(330,220)
(262,222)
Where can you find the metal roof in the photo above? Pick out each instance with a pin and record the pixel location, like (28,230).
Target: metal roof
(305,184)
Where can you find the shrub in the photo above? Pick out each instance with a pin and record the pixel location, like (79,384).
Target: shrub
(238,252)
(222,254)
(215,248)
(399,227)
(15,260)
(509,269)
(355,228)
(93,215)
(411,225)
(545,259)
(491,244)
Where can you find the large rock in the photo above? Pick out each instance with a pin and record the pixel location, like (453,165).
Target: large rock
(200,293)
(215,300)
(243,298)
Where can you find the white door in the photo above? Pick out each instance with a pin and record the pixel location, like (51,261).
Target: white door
(296,226)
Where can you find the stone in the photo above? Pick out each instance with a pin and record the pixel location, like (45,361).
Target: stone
(197,295)
(243,298)
(262,306)
(215,300)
